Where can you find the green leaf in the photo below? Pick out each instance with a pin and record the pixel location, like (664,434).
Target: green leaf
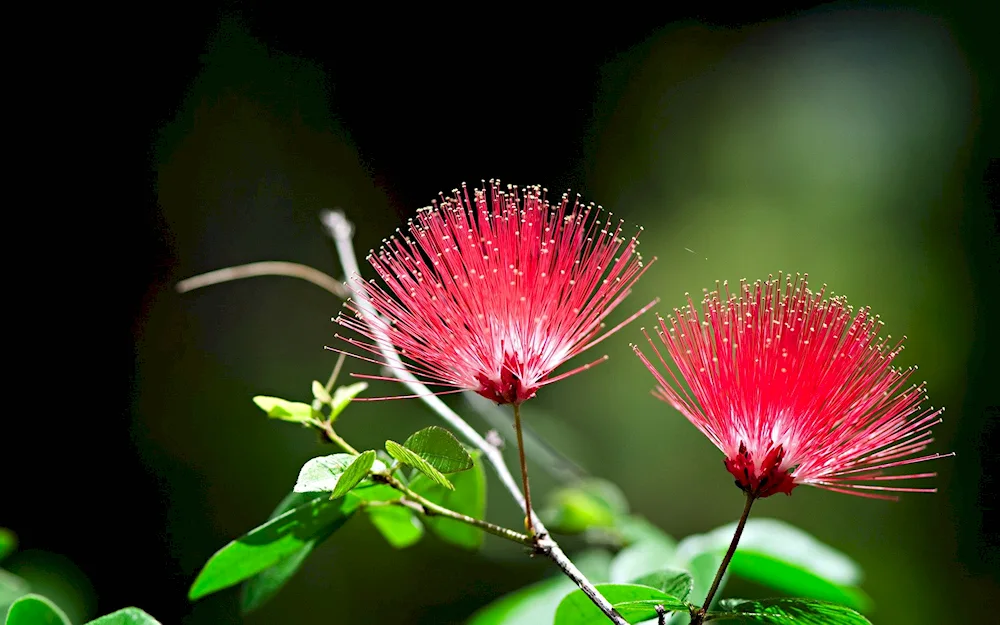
(586,504)
(654,553)
(608,493)
(264,585)
(321,474)
(325,474)
(796,580)
(572,512)
(126,616)
(636,529)
(373,492)
(320,393)
(261,587)
(634,602)
(397,524)
(469,498)
(35,610)
(410,458)
(784,557)
(12,588)
(703,568)
(671,581)
(278,408)
(786,612)
(440,449)
(357,471)
(343,396)
(790,544)
(8,542)
(537,603)
(272,542)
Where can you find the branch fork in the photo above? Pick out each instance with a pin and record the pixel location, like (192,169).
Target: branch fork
(539,541)
(341,230)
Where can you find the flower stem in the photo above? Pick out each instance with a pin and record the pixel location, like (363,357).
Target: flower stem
(698,616)
(528,524)
(341,231)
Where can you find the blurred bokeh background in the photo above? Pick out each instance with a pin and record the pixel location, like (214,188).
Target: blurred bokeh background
(849,142)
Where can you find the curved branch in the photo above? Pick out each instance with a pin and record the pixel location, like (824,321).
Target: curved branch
(341,230)
(429,508)
(266,268)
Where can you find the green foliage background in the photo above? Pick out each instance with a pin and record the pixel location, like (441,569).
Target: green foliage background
(837,148)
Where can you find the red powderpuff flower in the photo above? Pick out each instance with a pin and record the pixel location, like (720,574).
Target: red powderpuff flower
(494,293)
(795,390)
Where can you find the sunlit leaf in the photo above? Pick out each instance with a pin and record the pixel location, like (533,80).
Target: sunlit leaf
(537,603)
(468,498)
(409,457)
(634,602)
(571,511)
(654,553)
(608,493)
(703,569)
(272,542)
(320,393)
(591,503)
(278,408)
(342,398)
(35,610)
(12,588)
(373,492)
(322,474)
(784,557)
(264,585)
(397,524)
(785,612)
(126,616)
(671,581)
(440,449)
(356,472)
(336,473)
(795,580)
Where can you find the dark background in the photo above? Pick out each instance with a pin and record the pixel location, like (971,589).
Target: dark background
(849,141)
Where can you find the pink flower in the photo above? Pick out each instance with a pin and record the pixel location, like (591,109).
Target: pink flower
(793,389)
(493,293)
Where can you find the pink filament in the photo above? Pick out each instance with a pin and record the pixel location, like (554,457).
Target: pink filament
(777,365)
(494,292)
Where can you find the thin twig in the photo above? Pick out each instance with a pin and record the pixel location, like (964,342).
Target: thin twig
(336,372)
(341,231)
(265,268)
(421,504)
(429,508)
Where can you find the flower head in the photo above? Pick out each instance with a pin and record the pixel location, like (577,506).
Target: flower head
(494,292)
(795,389)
